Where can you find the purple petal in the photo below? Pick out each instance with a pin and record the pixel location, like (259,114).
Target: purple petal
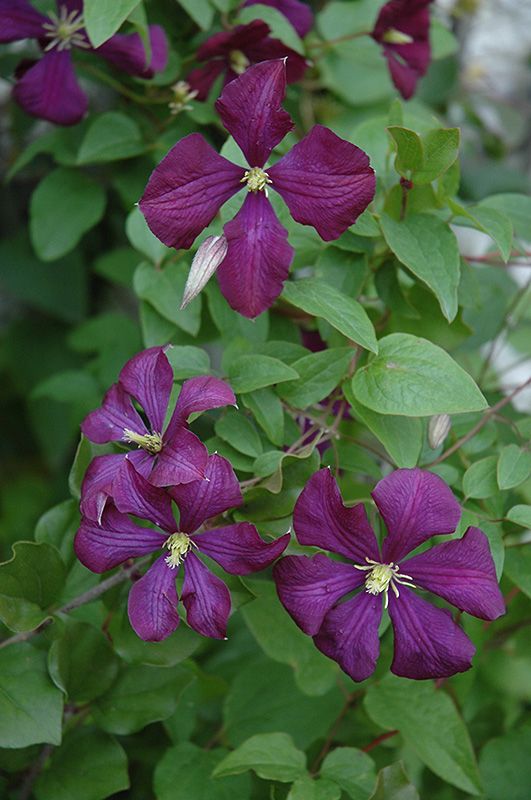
(108,423)
(296,12)
(201,79)
(152,605)
(181,460)
(404,77)
(251,110)
(206,599)
(238,38)
(320,519)
(239,549)
(462,572)
(199,394)
(204,499)
(187,189)
(428,643)
(415,505)
(269,48)
(349,635)
(19,20)
(126,52)
(103,547)
(325,181)
(49,90)
(309,587)
(257,263)
(148,377)
(133,494)
(96,488)
(142,461)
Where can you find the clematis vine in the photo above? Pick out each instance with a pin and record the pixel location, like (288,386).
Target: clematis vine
(297,13)
(153,600)
(415,505)
(325,181)
(165,455)
(403,31)
(48,88)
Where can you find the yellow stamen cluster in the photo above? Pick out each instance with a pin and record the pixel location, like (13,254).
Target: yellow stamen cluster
(257,180)
(182,94)
(238,61)
(381,576)
(393,36)
(152,442)
(65,30)
(179,545)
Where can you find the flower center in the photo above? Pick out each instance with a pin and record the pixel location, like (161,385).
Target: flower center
(65,30)
(238,61)
(256,180)
(182,94)
(393,36)
(179,545)
(381,576)
(152,442)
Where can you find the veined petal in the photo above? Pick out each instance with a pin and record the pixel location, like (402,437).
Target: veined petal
(148,377)
(152,605)
(251,110)
(238,38)
(415,505)
(428,643)
(126,52)
(462,572)
(299,14)
(142,461)
(269,48)
(96,488)
(204,499)
(206,599)
(116,414)
(49,90)
(349,635)
(104,546)
(325,181)
(133,494)
(309,587)
(321,519)
(259,256)
(187,189)
(201,79)
(199,394)
(239,549)
(181,460)
(20,21)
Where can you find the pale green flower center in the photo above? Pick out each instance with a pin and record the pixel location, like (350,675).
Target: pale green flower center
(179,545)
(257,180)
(64,30)
(152,442)
(393,36)
(182,94)
(382,576)
(238,61)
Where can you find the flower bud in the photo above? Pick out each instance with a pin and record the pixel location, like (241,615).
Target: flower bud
(438,429)
(206,261)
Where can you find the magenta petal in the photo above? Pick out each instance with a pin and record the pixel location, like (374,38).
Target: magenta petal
(251,110)
(142,461)
(116,414)
(321,519)
(133,494)
(19,20)
(152,605)
(49,90)
(325,181)
(181,460)
(309,587)
(404,77)
(239,549)
(103,547)
(239,38)
(415,505)
(428,643)
(148,377)
(462,572)
(204,499)
(196,395)
(126,52)
(187,189)
(349,635)
(206,599)
(296,12)
(270,48)
(97,485)
(257,263)
(201,79)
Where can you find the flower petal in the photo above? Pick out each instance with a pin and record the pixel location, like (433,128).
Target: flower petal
(321,519)
(148,377)
(251,110)
(269,48)
(49,90)
(415,505)
(103,547)
(142,461)
(133,494)
(20,21)
(186,191)
(462,572)
(299,14)
(181,460)
(116,414)
(96,488)
(126,52)
(404,77)
(201,79)
(309,587)
(238,38)
(349,635)
(152,605)
(199,394)
(206,599)
(204,499)
(239,549)
(428,643)
(325,181)
(257,263)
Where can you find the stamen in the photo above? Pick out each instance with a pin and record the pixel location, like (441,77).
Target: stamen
(65,30)
(152,442)
(238,61)
(179,545)
(393,36)
(257,180)
(182,94)
(382,576)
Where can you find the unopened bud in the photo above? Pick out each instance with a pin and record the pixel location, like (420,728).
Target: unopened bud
(206,261)
(392,36)
(438,429)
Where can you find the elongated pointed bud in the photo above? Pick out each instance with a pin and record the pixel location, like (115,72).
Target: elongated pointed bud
(438,429)
(206,261)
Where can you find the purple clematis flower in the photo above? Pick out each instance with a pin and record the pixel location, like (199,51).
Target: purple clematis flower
(325,181)
(299,14)
(165,456)
(232,52)
(48,88)
(403,30)
(153,599)
(415,505)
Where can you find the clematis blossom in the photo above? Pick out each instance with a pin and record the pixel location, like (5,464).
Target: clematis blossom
(415,505)
(325,181)
(403,30)
(153,600)
(48,88)
(297,13)
(165,455)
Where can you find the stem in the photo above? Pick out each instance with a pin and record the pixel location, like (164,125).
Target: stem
(350,701)
(505,322)
(35,771)
(339,40)
(378,741)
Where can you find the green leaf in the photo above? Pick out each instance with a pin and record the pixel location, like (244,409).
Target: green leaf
(480,479)
(65,205)
(272,756)
(521,515)
(200,11)
(185,773)
(441,148)
(495,224)
(176,648)
(248,373)
(426,246)
(111,137)
(413,377)
(306,788)
(319,373)
(514,466)
(506,767)
(163,288)
(515,206)
(430,724)
(83,457)
(394,784)
(31,707)
(343,313)
(409,150)
(188,361)
(143,240)
(279,25)
(517,565)
(81,662)
(267,410)
(104,17)
(351,769)
(238,430)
